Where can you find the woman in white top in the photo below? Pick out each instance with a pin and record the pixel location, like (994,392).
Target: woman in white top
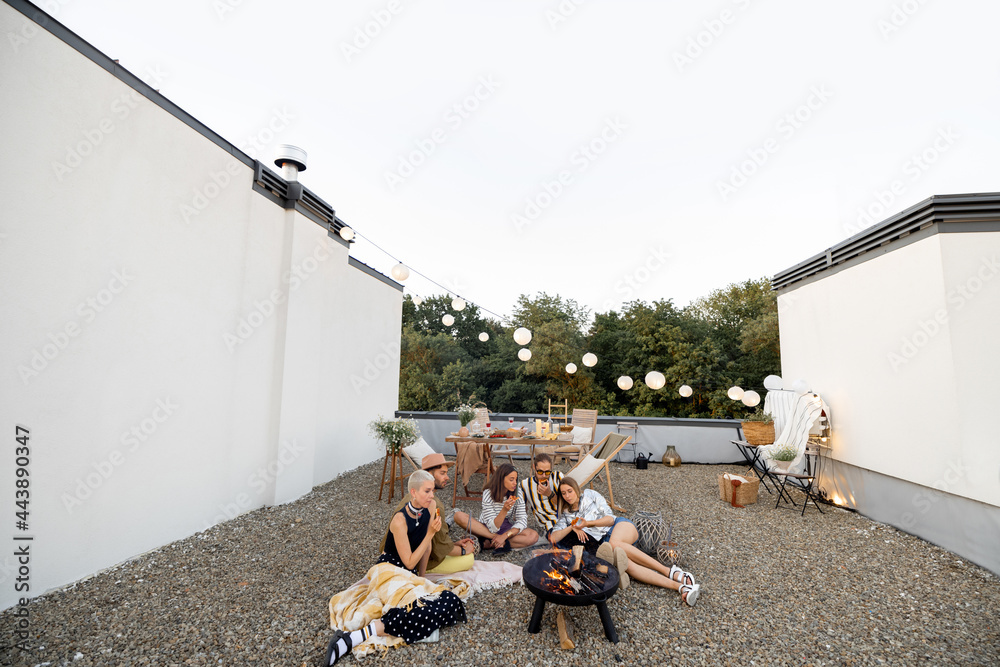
(585,518)
(503,523)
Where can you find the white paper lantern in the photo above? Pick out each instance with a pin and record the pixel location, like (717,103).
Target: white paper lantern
(524,354)
(685,391)
(448,320)
(655,380)
(570,368)
(458,304)
(751,398)
(484,336)
(346,233)
(735,393)
(417,300)
(400,272)
(522,336)
(772,382)
(589,359)
(625,383)
(800,387)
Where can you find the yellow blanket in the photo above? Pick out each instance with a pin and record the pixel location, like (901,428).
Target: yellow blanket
(386,586)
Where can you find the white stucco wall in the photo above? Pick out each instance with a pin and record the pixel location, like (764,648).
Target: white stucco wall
(171,364)
(903,349)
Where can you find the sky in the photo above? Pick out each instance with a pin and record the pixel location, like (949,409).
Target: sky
(602,151)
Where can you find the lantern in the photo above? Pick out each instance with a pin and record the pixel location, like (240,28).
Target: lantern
(417,300)
(570,368)
(400,272)
(448,320)
(589,359)
(655,380)
(524,354)
(772,382)
(484,336)
(625,383)
(346,233)
(735,393)
(751,399)
(685,391)
(458,304)
(522,336)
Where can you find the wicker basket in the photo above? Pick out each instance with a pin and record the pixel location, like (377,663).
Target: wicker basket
(758,433)
(746,493)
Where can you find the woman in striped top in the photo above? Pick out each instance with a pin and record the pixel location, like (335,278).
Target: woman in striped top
(503,523)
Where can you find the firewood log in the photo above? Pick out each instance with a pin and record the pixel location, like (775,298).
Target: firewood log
(564,622)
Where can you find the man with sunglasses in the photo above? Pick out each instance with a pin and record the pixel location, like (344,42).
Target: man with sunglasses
(540,491)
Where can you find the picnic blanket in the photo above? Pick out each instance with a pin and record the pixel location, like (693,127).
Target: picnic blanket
(483,575)
(386,586)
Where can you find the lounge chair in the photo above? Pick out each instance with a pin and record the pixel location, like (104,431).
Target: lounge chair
(596,462)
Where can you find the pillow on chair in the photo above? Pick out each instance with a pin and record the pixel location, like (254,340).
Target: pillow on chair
(418,450)
(585,469)
(583,436)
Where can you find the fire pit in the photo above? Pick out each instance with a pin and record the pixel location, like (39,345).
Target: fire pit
(548,577)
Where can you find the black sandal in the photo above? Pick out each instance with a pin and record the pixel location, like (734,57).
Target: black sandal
(331,649)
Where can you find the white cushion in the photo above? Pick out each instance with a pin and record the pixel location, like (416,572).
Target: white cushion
(418,450)
(585,469)
(583,436)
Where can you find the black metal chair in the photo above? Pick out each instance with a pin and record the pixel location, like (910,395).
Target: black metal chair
(803,481)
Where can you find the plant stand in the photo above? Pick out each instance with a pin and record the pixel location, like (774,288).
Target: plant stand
(392,461)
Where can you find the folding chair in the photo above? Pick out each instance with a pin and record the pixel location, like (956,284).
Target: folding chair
(802,481)
(629,426)
(596,462)
(795,434)
(581,419)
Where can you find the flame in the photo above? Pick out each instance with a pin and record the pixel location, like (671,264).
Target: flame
(559,581)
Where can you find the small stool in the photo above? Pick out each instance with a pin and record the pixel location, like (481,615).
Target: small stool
(393,461)
(634,428)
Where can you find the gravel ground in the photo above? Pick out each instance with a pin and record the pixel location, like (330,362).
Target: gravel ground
(777,589)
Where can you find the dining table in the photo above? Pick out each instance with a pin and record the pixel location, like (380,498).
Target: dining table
(528,440)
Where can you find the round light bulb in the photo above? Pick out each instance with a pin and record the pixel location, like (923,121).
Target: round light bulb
(655,380)
(484,336)
(685,391)
(522,336)
(524,354)
(417,300)
(735,393)
(772,382)
(589,359)
(346,233)
(570,368)
(625,383)
(400,272)
(458,304)
(751,398)
(448,320)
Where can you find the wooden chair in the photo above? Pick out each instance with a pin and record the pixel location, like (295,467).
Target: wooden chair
(596,462)
(575,451)
(486,466)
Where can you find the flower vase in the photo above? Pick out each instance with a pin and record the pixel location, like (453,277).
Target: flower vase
(781,466)
(463,432)
(671,457)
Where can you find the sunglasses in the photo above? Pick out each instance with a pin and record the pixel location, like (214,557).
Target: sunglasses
(544,473)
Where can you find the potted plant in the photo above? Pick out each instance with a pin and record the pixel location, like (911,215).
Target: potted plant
(783,456)
(758,427)
(466,413)
(394,433)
